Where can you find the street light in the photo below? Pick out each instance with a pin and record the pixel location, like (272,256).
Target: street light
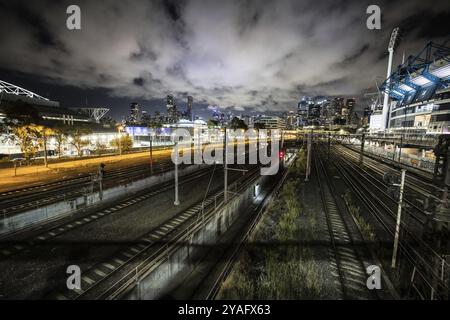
(393,43)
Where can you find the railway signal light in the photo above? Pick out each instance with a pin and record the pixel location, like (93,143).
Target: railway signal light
(393,181)
(101,170)
(101,174)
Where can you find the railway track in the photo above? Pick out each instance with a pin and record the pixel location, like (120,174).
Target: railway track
(428,174)
(346,246)
(112,278)
(421,184)
(415,251)
(20,200)
(375,181)
(223,273)
(9,248)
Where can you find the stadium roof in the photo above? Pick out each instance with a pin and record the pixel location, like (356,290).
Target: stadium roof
(16,90)
(420,76)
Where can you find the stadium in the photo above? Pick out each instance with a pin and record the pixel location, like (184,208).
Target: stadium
(30,108)
(420,93)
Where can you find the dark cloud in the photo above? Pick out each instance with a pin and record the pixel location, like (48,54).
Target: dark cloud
(351,59)
(139,82)
(242,54)
(432,24)
(172,9)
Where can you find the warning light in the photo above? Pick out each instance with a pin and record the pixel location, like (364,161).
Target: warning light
(281,155)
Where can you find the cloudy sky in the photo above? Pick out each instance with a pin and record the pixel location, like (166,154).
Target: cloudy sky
(246,56)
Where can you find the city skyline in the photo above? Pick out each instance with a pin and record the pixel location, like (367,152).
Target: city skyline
(260,61)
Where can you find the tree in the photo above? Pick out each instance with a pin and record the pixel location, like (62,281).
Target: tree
(100,147)
(237,123)
(124,143)
(42,134)
(60,138)
(26,136)
(77,140)
(212,123)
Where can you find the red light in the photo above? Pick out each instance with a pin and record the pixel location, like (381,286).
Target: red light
(281,154)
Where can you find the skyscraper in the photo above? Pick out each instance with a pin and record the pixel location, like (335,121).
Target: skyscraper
(169,102)
(189,108)
(349,110)
(135,114)
(170,108)
(302,111)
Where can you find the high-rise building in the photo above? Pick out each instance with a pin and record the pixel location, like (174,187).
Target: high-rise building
(337,105)
(269,122)
(135,114)
(171,111)
(303,110)
(349,107)
(170,102)
(290,119)
(190,103)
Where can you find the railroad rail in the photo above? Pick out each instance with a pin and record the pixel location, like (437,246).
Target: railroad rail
(420,255)
(9,248)
(19,200)
(112,278)
(232,258)
(345,249)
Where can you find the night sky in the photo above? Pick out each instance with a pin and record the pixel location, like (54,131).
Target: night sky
(244,56)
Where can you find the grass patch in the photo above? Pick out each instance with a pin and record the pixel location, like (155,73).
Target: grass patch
(283,269)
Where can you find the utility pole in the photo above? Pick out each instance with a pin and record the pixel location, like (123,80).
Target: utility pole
(177,201)
(400,148)
(101,173)
(399,213)
(151,153)
(308,157)
(329,145)
(44,138)
(361,154)
(119,130)
(225,162)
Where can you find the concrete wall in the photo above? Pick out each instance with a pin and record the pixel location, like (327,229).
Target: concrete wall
(183,260)
(64,208)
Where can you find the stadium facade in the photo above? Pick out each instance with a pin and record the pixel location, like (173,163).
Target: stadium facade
(30,108)
(419,90)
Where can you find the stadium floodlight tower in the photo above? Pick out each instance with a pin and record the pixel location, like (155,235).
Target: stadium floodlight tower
(391,48)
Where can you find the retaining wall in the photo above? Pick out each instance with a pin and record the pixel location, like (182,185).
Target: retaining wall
(64,208)
(183,260)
